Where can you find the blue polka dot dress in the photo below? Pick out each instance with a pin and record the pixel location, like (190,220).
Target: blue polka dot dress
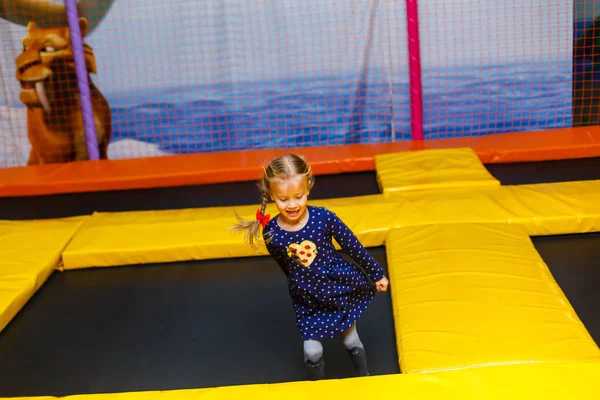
(328,293)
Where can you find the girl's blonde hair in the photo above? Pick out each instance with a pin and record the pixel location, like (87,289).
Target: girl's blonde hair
(283,167)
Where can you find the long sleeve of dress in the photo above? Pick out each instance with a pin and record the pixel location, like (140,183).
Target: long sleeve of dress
(351,245)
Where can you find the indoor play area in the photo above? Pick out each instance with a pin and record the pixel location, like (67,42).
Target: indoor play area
(458,139)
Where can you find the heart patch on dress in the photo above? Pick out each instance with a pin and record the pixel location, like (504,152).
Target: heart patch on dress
(304,252)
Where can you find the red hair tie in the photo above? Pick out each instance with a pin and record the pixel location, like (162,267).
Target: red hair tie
(263,219)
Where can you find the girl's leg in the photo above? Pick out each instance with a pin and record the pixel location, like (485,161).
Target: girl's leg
(313,358)
(350,338)
(355,348)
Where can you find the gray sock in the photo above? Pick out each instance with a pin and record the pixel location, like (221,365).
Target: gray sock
(350,338)
(313,351)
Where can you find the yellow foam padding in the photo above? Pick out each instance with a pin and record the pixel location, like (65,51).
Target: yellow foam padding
(29,252)
(516,382)
(114,239)
(542,209)
(467,295)
(555,208)
(431,169)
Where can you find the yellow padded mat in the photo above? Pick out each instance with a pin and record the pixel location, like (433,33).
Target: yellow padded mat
(515,382)
(29,252)
(113,239)
(431,169)
(554,209)
(468,295)
(542,209)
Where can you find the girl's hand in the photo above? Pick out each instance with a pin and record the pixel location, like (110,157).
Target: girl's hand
(382,285)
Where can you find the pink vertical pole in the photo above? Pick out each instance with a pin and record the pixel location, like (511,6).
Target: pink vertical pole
(414,65)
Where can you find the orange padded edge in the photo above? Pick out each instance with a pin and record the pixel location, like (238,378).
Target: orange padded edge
(206,168)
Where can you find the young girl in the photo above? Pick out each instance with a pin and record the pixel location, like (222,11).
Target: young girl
(328,293)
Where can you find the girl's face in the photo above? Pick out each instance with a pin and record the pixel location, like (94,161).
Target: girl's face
(290,197)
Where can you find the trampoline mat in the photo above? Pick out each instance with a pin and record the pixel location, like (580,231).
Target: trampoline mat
(574,261)
(172,326)
(582,169)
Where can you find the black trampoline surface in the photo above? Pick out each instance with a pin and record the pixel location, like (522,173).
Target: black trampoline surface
(172,326)
(574,261)
(583,169)
(218,322)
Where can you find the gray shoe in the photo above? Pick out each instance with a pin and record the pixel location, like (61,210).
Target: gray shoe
(316,370)
(359,358)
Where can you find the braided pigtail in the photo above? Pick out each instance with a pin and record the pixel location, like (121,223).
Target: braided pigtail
(253,227)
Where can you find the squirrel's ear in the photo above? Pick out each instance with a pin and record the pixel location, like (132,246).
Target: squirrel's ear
(83,25)
(31,26)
